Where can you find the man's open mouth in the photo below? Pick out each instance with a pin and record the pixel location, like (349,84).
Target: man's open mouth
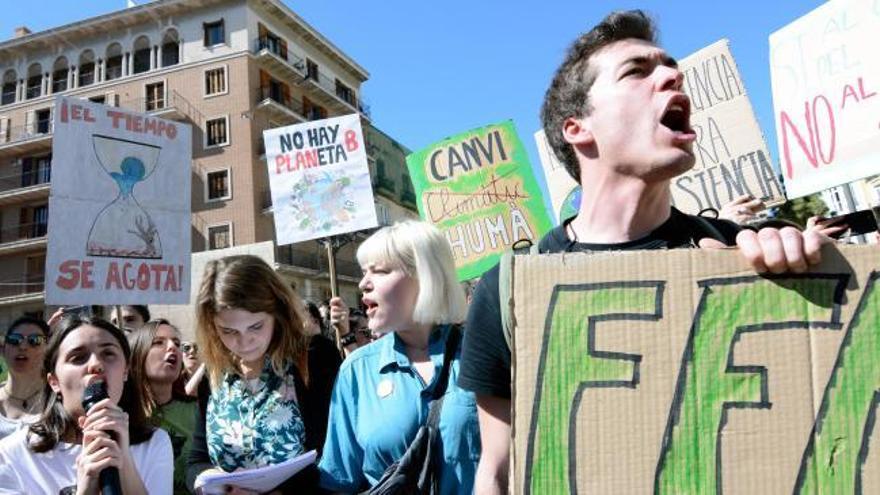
(677,115)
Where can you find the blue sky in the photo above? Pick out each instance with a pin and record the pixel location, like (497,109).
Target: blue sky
(440,68)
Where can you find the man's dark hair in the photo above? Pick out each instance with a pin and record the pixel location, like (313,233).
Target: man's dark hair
(567,95)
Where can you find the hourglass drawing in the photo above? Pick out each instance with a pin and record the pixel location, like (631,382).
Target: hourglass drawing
(123,228)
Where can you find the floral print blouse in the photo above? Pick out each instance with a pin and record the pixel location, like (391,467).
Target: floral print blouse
(253,423)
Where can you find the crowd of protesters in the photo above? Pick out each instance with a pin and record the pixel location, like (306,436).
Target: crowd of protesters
(270,376)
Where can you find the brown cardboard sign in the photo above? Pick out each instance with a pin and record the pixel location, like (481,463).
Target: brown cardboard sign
(731,154)
(685,372)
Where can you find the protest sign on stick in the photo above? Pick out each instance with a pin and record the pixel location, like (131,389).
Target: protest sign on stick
(685,372)
(119,207)
(478,188)
(731,155)
(319,179)
(826,77)
(565,192)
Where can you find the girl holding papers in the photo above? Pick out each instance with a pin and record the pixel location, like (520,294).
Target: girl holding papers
(70,445)
(270,382)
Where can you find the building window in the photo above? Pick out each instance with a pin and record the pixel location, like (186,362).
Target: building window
(33,221)
(215,34)
(344,93)
(44,121)
(36,170)
(34,87)
(98,99)
(220,236)
(59,80)
(155,96)
(215,81)
(87,74)
(216,133)
(114,68)
(142,60)
(313,111)
(8,95)
(312,70)
(218,185)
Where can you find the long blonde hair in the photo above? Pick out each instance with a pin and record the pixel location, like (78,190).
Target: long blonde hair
(249,283)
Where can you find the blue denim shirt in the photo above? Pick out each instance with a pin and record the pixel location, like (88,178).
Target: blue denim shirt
(379,401)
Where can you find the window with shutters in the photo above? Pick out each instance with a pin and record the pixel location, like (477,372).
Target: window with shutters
(217,132)
(220,236)
(344,92)
(155,96)
(313,111)
(218,186)
(215,81)
(312,70)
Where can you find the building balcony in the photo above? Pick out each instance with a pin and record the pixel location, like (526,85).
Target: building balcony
(301,260)
(291,67)
(384,185)
(408,197)
(22,187)
(26,139)
(27,288)
(22,238)
(278,107)
(172,107)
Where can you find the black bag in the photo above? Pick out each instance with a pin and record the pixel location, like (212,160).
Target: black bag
(416,470)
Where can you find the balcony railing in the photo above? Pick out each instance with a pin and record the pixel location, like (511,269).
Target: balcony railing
(384,184)
(408,197)
(299,65)
(23,232)
(24,132)
(315,260)
(19,286)
(269,93)
(25,179)
(172,100)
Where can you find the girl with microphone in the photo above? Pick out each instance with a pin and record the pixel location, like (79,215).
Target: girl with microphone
(68,447)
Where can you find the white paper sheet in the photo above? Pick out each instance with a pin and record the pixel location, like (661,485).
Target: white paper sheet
(262,479)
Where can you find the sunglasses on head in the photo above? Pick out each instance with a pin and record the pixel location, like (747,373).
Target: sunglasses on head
(189,347)
(34,340)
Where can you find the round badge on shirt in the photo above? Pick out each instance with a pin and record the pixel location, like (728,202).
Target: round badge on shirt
(384,388)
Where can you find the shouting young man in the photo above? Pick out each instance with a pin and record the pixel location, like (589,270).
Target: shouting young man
(616,116)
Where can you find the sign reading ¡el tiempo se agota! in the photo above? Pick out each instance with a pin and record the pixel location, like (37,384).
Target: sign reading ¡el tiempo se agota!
(119,207)
(479,189)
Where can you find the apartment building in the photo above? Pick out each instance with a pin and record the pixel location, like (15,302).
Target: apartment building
(230,69)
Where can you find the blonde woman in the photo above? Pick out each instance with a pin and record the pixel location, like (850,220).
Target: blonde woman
(270,382)
(384,390)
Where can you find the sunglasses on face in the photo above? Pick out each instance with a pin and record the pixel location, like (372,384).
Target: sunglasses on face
(34,340)
(189,347)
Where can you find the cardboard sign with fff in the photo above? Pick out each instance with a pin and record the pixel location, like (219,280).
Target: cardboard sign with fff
(684,372)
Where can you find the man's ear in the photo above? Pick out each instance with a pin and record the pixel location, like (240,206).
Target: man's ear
(577,131)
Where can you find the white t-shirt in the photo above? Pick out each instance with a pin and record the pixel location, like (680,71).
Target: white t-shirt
(24,472)
(10,426)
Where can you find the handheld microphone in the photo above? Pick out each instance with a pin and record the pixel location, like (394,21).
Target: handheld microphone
(109,477)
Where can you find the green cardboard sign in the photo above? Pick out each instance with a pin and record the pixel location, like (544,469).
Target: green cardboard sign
(479,189)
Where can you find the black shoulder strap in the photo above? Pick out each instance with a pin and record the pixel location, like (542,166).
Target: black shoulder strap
(704,228)
(443,380)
